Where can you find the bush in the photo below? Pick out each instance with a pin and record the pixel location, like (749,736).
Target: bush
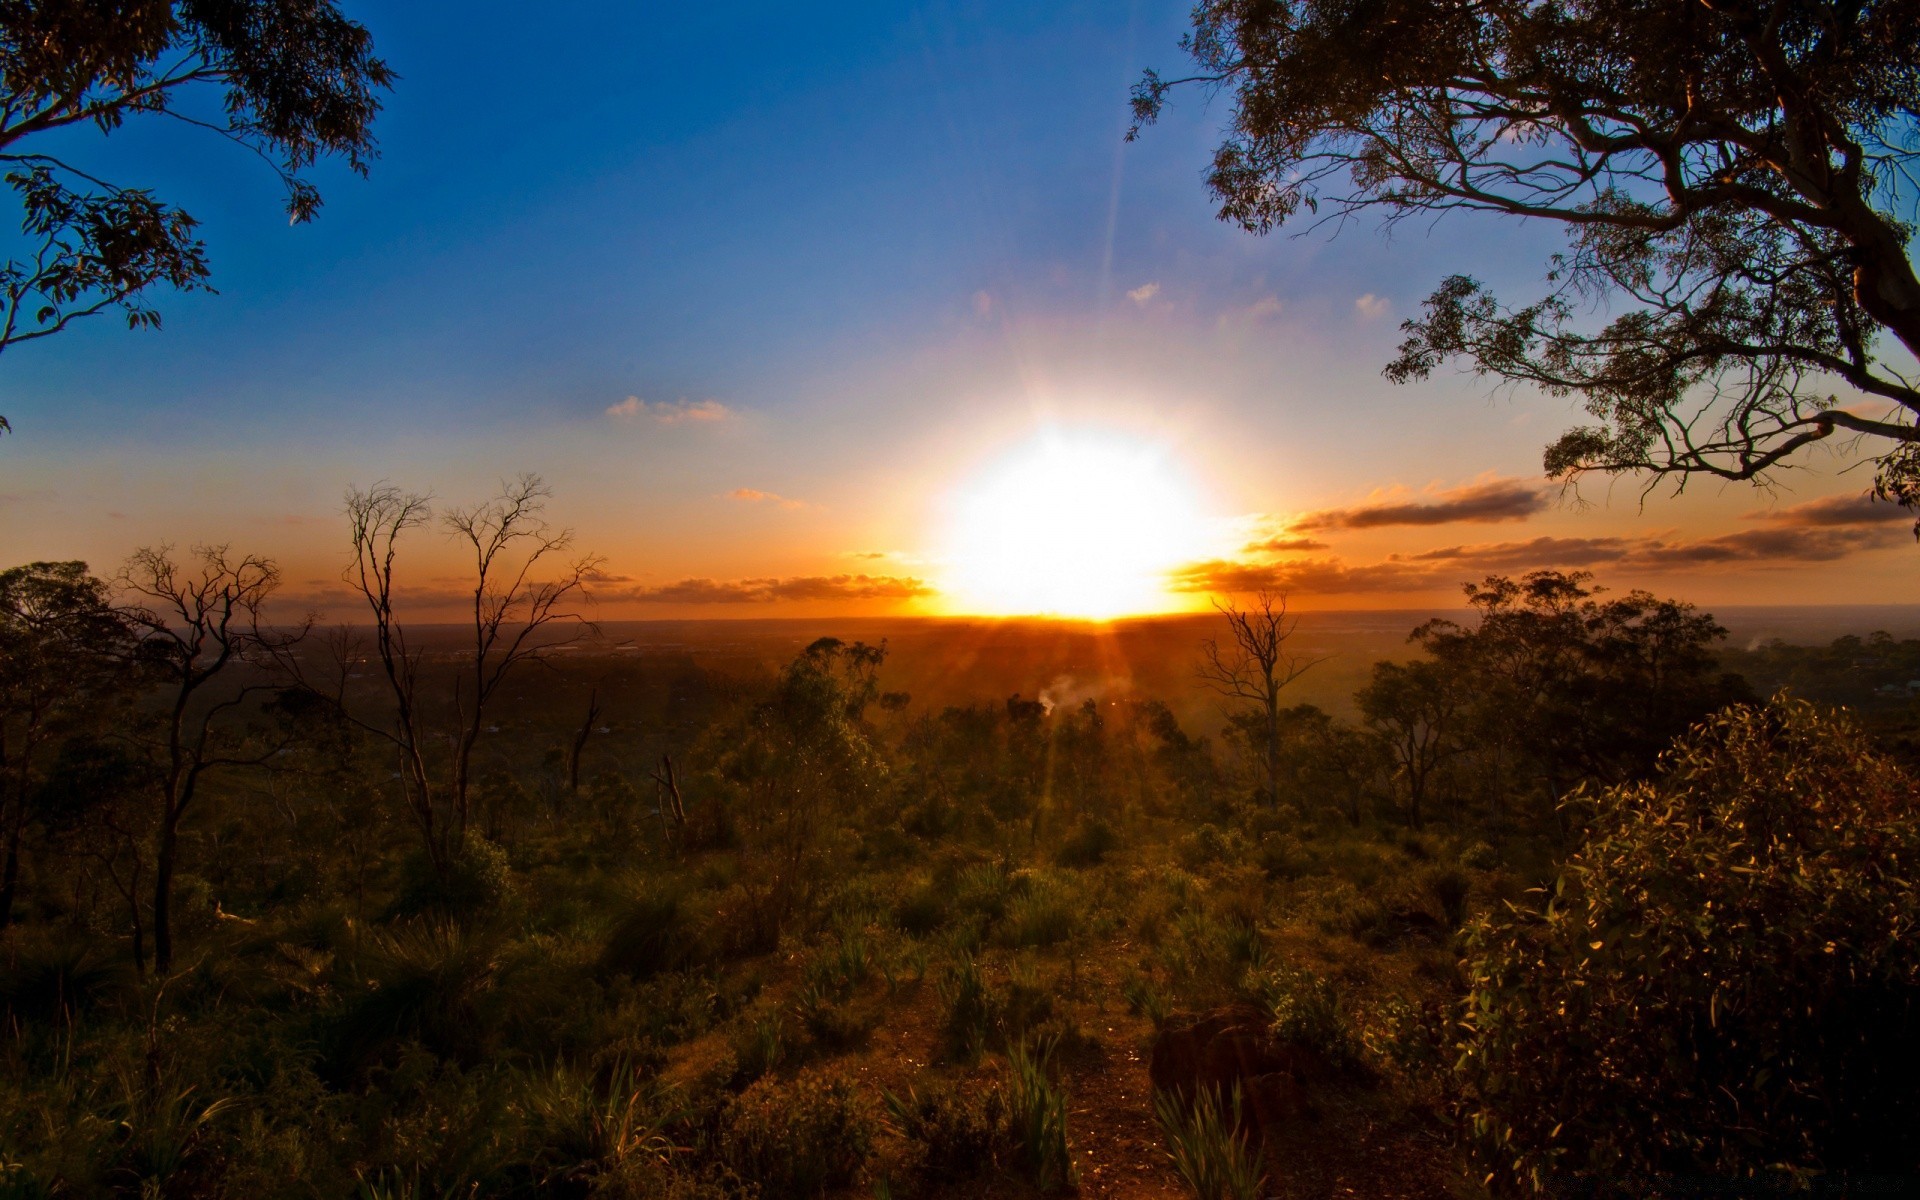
(798,1139)
(956,1133)
(1726,977)
(1204,1139)
(423,982)
(1091,840)
(653,934)
(1306,1010)
(1038,1110)
(475,881)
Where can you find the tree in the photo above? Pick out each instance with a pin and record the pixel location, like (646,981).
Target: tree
(1729,176)
(1569,688)
(205,619)
(291,80)
(1416,709)
(513,613)
(1251,672)
(63,647)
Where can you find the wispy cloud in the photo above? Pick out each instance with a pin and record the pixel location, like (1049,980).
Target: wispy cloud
(756,496)
(764,591)
(1371,307)
(670,412)
(1484,501)
(1432,569)
(1860,509)
(1282,544)
(1144,294)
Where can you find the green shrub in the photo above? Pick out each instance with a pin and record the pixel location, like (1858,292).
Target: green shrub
(1044,916)
(475,881)
(54,978)
(759,1047)
(1448,888)
(1212,1154)
(1088,844)
(1479,856)
(799,1138)
(1725,977)
(652,934)
(582,1127)
(973,1009)
(422,981)
(922,910)
(956,1132)
(1037,1108)
(1306,1010)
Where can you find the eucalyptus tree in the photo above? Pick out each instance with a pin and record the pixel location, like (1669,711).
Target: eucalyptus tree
(63,654)
(1735,180)
(293,81)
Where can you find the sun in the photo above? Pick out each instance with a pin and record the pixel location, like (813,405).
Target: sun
(1071,525)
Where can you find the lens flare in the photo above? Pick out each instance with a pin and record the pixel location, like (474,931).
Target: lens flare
(1073,525)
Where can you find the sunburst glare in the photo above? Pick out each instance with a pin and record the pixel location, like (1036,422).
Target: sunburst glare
(1075,525)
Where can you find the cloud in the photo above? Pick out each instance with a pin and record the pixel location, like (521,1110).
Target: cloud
(1320,576)
(1143,294)
(982,303)
(756,496)
(596,575)
(1282,544)
(763,591)
(670,412)
(1487,501)
(1430,570)
(1371,306)
(1860,509)
(866,554)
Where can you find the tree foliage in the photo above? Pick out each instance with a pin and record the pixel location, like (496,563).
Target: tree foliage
(293,81)
(1725,978)
(1732,179)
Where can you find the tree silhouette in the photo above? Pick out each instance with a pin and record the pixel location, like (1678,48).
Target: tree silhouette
(1253,669)
(294,81)
(1730,177)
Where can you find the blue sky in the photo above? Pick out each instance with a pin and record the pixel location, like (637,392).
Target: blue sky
(890,241)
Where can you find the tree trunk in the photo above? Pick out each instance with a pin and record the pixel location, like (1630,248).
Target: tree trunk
(163,897)
(10,873)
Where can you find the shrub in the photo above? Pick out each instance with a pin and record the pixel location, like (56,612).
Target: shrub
(1213,1156)
(922,910)
(52,979)
(1725,977)
(474,882)
(799,1138)
(1089,843)
(424,982)
(1037,1107)
(1306,1010)
(1479,856)
(758,1047)
(1448,888)
(973,1009)
(1043,916)
(956,1133)
(652,935)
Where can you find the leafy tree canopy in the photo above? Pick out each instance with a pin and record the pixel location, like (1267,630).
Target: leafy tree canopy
(292,80)
(1732,178)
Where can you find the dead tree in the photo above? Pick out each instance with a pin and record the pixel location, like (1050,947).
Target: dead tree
(201,623)
(580,742)
(673,813)
(1253,669)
